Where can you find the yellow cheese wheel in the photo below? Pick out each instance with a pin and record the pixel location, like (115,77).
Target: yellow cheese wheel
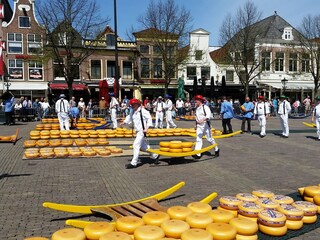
(187,144)
(31,154)
(267,203)
(164,149)
(175,141)
(175,150)
(187,149)
(155,218)
(249,209)
(116,150)
(222,231)
(234,212)
(148,232)
(294,225)
(254,219)
(273,231)
(244,237)
(309,219)
(199,207)
(36,238)
(81,135)
(196,234)
(316,199)
(221,215)
(309,209)
(271,218)
(95,230)
(29,143)
(198,220)
(310,191)
(247,197)
(128,224)
(291,212)
(47,154)
(174,228)
(110,135)
(282,199)
(75,153)
(115,236)
(229,202)
(61,154)
(175,145)
(178,212)
(263,193)
(69,233)
(308,199)
(104,152)
(161,134)
(244,226)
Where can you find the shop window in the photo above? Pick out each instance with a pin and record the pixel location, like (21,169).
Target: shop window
(95,69)
(229,76)
(191,73)
(157,68)
(127,70)
(15,43)
(35,70)
(145,68)
(34,44)
(16,68)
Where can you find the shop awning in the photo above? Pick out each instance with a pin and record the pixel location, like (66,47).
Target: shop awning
(26,85)
(64,86)
(290,85)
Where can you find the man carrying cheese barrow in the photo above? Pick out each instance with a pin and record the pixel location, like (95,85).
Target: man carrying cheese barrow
(203,125)
(142,120)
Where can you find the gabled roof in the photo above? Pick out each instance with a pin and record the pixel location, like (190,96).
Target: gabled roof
(153,32)
(200,31)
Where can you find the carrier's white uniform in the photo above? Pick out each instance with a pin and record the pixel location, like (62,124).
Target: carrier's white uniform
(261,109)
(159,108)
(284,109)
(203,112)
(62,109)
(316,113)
(168,107)
(113,110)
(140,141)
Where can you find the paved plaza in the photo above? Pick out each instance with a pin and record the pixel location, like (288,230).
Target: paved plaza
(247,162)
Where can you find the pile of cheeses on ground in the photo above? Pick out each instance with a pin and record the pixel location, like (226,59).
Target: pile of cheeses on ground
(238,217)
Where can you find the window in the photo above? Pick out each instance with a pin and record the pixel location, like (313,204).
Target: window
(111,69)
(95,69)
(58,69)
(127,70)
(15,43)
(293,62)
(16,68)
(24,22)
(191,73)
(157,68)
(34,44)
(75,72)
(145,68)
(305,63)
(287,33)
(265,61)
(205,73)
(229,76)
(144,49)
(111,40)
(35,70)
(170,50)
(156,50)
(279,61)
(198,55)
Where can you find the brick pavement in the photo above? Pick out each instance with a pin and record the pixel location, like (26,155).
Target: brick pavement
(246,162)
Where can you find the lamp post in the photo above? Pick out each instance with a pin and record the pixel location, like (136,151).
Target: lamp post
(116,48)
(6,83)
(284,84)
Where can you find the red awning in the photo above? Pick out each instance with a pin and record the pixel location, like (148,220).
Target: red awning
(64,86)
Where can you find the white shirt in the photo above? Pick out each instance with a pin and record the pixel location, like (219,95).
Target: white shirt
(203,112)
(316,110)
(81,104)
(159,106)
(62,105)
(261,108)
(136,119)
(284,107)
(179,104)
(168,105)
(45,105)
(113,103)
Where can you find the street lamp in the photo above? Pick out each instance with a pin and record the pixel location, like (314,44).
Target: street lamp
(284,84)
(6,79)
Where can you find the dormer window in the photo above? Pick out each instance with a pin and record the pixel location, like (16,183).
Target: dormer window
(24,22)
(287,34)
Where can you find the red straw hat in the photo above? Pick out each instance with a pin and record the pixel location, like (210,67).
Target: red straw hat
(134,101)
(199,97)
(261,97)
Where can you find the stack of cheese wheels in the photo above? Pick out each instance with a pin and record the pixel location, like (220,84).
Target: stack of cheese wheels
(249,210)
(66,142)
(169,132)
(247,197)
(39,127)
(129,224)
(175,147)
(120,132)
(74,134)
(155,218)
(74,152)
(152,133)
(29,143)
(161,133)
(263,193)
(92,141)
(102,133)
(47,153)
(222,231)
(173,228)
(128,133)
(310,211)
(178,212)
(35,135)
(282,199)
(187,146)
(309,193)
(68,233)
(177,132)
(87,151)
(102,151)
(55,126)
(196,234)
(43,143)
(47,126)
(95,230)
(60,152)
(229,203)
(65,134)
(267,203)
(116,150)
(83,134)
(164,146)
(32,153)
(294,216)
(102,141)
(93,133)
(246,229)
(148,232)
(220,215)
(272,223)
(45,134)
(54,134)
(80,142)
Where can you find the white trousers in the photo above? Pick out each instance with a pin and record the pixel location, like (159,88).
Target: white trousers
(262,123)
(139,143)
(169,120)
(284,124)
(63,120)
(114,117)
(318,126)
(204,130)
(159,117)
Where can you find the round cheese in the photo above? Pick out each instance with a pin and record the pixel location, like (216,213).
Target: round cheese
(271,218)
(244,226)
(316,199)
(247,197)
(175,150)
(199,207)
(29,143)
(308,199)
(198,220)
(234,212)
(249,209)
(282,199)
(222,231)
(155,218)
(229,202)
(174,228)
(187,144)
(196,234)
(309,219)
(128,224)
(254,219)
(294,225)
(69,233)
(291,212)
(187,149)
(221,216)
(95,230)
(310,191)
(164,149)
(148,232)
(115,236)
(175,146)
(244,237)
(267,203)
(273,231)
(263,193)
(179,212)
(309,209)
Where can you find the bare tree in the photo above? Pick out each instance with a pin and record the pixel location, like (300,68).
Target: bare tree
(310,41)
(239,34)
(67,24)
(168,27)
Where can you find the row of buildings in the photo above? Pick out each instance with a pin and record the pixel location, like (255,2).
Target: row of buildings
(140,62)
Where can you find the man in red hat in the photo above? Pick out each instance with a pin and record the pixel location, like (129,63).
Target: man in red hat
(203,125)
(141,119)
(261,110)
